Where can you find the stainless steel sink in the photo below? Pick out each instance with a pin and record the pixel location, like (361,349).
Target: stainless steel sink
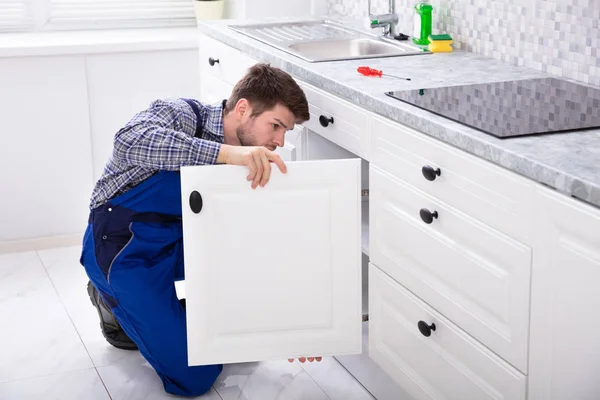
(347,49)
(318,41)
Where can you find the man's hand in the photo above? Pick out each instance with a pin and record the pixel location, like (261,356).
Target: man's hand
(256,158)
(303,359)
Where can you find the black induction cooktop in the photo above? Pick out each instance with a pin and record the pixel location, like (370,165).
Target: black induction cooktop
(513,108)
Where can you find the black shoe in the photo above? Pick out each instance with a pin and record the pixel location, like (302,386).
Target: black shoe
(111,330)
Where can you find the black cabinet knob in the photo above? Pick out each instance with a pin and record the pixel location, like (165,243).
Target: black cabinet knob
(196,202)
(428,216)
(325,121)
(430,173)
(425,329)
(212,61)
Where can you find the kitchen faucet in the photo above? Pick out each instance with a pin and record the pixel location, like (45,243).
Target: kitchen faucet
(387,21)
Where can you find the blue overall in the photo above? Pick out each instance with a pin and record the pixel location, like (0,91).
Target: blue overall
(133,254)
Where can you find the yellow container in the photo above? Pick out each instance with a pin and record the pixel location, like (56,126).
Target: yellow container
(440,43)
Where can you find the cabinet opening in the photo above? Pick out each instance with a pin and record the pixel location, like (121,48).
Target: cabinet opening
(317,147)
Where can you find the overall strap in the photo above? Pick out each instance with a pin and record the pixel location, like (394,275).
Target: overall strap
(194,106)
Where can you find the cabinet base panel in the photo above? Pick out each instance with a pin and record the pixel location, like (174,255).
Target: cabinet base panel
(367,372)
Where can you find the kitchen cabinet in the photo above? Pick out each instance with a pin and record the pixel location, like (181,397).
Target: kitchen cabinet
(224,63)
(475,275)
(45,166)
(438,360)
(463,181)
(60,113)
(337,121)
(565,351)
(481,283)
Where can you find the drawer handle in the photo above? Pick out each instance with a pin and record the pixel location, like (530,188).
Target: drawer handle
(426,329)
(428,216)
(325,121)
(430,173)
(212,61)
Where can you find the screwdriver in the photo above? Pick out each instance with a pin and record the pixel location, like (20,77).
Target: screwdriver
(368,71)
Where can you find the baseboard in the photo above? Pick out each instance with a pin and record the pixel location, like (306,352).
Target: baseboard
(50,242)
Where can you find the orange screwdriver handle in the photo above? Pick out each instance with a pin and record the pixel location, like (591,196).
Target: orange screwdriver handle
(367,71)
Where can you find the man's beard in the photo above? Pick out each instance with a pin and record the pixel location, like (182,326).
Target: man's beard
(244,135)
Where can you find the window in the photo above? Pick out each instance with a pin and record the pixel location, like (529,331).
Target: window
(15,15)
(28,15)
(120,13)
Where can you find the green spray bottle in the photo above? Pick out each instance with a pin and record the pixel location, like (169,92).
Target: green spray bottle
(422,23)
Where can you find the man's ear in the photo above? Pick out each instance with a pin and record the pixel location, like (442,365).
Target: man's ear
(242,108)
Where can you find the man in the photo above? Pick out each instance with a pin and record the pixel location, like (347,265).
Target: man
(132,248)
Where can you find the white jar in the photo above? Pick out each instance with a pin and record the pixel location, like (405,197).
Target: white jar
(209,9)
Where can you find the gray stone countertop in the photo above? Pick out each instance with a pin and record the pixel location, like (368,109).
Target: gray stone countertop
(568,162)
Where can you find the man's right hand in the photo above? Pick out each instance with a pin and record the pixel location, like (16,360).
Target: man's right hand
(256,158)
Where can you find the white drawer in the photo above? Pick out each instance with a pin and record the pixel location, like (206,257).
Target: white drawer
(213,89)
(232,64)
(471,273)
(448,364)
(349,128)
(489,193)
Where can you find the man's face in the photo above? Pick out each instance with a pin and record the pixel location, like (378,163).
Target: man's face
(267,129)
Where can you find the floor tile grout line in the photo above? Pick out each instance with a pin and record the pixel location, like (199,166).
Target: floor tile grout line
(217,392)
(103,383)
(66,309)
(46,375)
(313,379)
(349,373)
(359,382)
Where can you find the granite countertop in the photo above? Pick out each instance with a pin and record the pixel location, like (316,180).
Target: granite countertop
(568,162)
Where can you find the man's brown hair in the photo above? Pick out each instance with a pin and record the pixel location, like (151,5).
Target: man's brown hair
(264,87)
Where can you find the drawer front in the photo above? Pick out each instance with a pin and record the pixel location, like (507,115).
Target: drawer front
(474,275)
(232,64)
(350,123)
(448,364)
(496,196)
(213,89)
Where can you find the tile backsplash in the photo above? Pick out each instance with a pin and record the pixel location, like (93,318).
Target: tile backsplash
(561,37)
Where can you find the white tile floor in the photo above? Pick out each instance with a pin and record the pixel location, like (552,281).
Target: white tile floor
(51,347)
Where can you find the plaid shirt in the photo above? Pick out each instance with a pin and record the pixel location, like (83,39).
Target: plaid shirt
(160,138)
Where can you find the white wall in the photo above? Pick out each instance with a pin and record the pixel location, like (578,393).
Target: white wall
(58,115)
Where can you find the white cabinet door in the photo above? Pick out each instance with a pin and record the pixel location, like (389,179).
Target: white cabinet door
(274,272)
(565,321)
(45,167)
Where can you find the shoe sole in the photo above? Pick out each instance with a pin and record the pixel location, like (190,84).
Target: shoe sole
(115,343)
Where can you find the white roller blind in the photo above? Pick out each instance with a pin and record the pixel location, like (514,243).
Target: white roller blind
(120,13)
(15,15)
